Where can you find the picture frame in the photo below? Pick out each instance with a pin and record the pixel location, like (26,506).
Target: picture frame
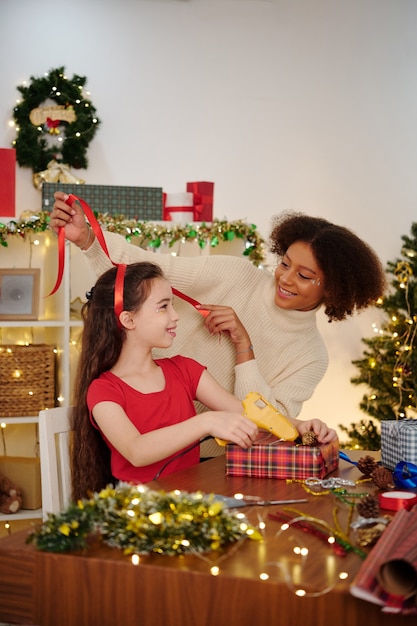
(19,294)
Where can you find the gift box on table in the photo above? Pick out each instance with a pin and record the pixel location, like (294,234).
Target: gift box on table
(398,442)
(270,457)
(25,472)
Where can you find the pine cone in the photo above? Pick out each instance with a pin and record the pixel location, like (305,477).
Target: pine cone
(382,478)
(309,438)
(368,506)
(366,465)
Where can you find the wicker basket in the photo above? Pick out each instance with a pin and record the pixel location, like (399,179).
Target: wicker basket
(27,379)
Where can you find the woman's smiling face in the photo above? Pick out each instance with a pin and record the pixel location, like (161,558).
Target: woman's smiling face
(299,280)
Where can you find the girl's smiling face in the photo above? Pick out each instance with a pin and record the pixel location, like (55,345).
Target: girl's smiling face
(156,320)
(299,280)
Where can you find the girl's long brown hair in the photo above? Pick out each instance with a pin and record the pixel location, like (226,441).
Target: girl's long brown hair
(101,344)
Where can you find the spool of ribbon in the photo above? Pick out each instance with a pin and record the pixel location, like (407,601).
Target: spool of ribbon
(397,500)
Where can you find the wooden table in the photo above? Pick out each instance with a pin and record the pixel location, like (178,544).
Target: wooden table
(101,587)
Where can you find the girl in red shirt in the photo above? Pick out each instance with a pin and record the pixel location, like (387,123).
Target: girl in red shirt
(135,415)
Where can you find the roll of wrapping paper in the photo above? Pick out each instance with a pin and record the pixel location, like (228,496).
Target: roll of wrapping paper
(397,575)
(386,585)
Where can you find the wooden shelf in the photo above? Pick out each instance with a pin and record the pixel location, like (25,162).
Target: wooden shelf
(21,515)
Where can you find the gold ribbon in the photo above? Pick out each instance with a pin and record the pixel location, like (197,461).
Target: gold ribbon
(56,173)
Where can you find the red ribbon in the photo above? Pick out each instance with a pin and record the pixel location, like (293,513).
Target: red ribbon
(61,238)
(194,303)
(176,209)
(118,293)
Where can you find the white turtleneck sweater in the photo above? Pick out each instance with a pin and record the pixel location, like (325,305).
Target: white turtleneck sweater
(291,357)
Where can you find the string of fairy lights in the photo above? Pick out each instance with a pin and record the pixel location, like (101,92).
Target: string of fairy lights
(30,228)
(400,330)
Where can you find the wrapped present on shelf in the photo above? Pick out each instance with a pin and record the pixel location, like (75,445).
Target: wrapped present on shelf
(194,205)
(178,207)
(139,203)
(25,472)
(7,182)
(270,457)
(398,442)
(203,193)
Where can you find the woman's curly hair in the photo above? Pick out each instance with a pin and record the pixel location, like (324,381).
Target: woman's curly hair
(354,277)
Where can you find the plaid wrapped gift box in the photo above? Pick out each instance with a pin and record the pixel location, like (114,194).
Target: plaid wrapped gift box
(398,442)
(270,457)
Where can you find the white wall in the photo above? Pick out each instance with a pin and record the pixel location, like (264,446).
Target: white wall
(285,104)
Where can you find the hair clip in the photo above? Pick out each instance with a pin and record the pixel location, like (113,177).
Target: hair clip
(89,294)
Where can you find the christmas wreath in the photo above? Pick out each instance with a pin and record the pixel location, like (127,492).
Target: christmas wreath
(55,122)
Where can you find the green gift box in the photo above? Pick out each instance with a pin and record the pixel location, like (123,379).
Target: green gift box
(136,203)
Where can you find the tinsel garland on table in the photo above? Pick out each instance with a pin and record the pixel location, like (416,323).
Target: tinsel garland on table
(141,521)
(153,235)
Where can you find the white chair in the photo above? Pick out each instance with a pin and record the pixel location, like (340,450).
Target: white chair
(54,450)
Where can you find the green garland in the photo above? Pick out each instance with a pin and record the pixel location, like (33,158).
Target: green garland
(153,235)
(32,146)
(141,521)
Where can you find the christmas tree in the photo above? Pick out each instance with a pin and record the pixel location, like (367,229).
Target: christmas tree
(389,364)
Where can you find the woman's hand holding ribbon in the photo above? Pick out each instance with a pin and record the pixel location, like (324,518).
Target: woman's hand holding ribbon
(71,219)
(223,319)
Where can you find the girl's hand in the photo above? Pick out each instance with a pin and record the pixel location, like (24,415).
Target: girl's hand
(72,219)
(223,319)
(231,427)
(323,432)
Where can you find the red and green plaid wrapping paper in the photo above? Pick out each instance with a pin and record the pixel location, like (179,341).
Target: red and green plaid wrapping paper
(270,457)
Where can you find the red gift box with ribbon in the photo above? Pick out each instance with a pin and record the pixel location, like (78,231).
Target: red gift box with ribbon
(7,182)
(195,205)
(203,200)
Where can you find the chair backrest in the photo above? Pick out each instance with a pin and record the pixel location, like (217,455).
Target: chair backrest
(54,449)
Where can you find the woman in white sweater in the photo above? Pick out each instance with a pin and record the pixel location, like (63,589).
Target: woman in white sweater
(260,333)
